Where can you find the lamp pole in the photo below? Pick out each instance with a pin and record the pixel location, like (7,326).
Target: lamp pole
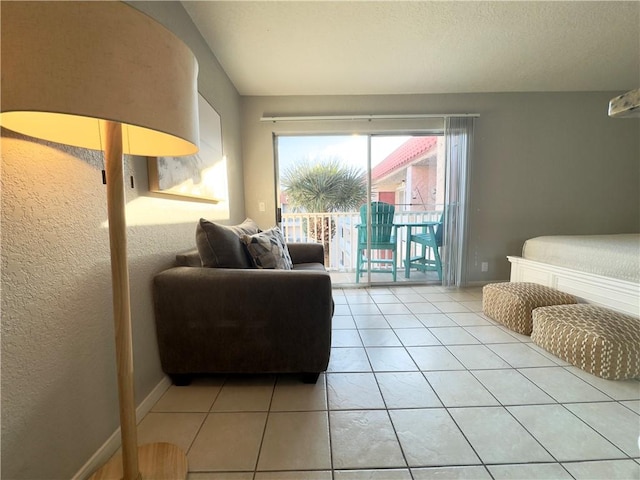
(121,297)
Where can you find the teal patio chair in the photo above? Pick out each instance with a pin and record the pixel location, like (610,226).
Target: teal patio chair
(429,241)
(383,238)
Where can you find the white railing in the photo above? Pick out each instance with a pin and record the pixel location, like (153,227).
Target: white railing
(343,246)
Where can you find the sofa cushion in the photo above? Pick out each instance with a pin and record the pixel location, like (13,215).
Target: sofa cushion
(220,246)
(317,267)
(268,249)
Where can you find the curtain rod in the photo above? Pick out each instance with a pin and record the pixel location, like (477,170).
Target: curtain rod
(318,118)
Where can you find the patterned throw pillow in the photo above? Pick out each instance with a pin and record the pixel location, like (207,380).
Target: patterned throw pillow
(268,249)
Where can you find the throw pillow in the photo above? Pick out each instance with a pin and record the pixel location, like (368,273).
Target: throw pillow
(220,246)
(268,249)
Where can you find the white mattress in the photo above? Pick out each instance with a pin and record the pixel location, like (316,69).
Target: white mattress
(616,256)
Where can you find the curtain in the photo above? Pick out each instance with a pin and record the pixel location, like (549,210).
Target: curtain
(459,143)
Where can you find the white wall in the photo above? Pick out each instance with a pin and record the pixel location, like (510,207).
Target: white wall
(544,163)
(59,396)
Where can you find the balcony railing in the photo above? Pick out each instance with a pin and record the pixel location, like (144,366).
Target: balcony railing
(343,246)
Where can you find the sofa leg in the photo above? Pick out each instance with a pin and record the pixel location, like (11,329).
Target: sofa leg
(180,380)
(310,377)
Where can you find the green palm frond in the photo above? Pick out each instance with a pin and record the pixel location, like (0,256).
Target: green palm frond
(324,186)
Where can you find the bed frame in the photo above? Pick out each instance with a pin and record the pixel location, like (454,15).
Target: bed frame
(620,295)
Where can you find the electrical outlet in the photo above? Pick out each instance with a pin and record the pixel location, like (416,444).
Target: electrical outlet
(261,206)
(484,266)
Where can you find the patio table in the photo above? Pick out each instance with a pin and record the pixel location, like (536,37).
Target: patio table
(410,226)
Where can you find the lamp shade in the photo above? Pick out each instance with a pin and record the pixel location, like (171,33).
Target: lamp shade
(69,66)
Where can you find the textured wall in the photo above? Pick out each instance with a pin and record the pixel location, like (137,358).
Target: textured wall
(544,163)
(56,327)
(59,398)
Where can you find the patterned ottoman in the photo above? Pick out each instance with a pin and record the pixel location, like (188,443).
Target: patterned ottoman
(511,303)
(595,339)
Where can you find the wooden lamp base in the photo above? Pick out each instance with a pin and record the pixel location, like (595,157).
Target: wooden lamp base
(156,461)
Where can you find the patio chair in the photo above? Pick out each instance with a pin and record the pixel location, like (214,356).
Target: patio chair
(429,241)
(383,238)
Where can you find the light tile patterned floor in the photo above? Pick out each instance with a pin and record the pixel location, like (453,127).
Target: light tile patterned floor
(420,385)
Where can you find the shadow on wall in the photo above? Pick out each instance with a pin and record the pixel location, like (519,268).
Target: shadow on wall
(59,396)
(58,350)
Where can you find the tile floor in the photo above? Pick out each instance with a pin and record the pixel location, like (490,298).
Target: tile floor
(420,385)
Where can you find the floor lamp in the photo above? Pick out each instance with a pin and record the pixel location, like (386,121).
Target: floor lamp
(104,76)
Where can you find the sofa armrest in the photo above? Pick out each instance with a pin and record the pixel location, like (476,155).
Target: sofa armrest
(233,320)
(190,258)
(306,253)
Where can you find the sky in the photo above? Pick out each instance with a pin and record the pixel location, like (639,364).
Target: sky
(351,148)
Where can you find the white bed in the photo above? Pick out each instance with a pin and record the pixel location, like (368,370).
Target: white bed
(598,269)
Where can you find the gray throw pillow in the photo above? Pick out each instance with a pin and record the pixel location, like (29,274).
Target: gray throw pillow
(268,249)
(220,246)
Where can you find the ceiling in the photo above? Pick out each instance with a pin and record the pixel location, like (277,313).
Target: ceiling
(402,47)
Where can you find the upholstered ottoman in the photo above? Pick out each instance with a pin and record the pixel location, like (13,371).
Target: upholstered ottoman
(511,303)
(595,339)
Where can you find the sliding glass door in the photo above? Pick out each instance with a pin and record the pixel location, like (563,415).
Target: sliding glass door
(372,200)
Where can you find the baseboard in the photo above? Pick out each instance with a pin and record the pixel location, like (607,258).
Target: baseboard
(106,451)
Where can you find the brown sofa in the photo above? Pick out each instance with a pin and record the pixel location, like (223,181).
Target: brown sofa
(212,320)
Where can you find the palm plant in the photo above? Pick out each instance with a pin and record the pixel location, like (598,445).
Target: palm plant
(324,186)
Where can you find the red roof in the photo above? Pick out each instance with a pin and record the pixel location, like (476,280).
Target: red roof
(406,153)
